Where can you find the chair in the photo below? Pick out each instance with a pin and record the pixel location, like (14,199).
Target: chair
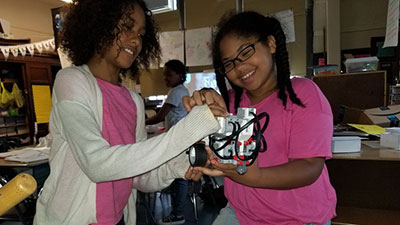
(144,200)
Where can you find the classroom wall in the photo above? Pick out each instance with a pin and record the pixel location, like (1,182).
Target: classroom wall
(208,12)
(360,20)
(29,18)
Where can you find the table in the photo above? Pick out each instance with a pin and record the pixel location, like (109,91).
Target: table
(367,185)
(5,163)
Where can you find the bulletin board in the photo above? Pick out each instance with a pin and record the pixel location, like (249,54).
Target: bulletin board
(358,90)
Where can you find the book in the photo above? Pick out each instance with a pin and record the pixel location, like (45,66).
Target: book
(346,144)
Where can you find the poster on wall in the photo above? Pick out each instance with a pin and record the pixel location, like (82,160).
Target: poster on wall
(171,46)
(287,22)
(198,47)
(392,24)
(57,18)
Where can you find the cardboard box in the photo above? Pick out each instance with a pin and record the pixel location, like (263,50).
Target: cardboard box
(385,116)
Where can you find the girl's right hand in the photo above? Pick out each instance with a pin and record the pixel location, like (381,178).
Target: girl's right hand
(206,96)
(217,170)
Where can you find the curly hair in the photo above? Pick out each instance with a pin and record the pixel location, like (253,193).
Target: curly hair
(252,24)
(91,26)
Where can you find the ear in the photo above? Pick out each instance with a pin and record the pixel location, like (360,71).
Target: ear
(271,44)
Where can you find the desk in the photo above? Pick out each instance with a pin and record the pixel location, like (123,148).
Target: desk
(37,166)
(6,163)
(367,185)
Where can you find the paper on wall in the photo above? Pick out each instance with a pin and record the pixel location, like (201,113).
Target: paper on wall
(287,22)
(198,47)
(41,102)
(392,24)
(171,44)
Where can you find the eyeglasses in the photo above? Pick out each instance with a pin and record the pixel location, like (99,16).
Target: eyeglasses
(242,56)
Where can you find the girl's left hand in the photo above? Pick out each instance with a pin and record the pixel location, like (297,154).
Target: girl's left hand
(193,174)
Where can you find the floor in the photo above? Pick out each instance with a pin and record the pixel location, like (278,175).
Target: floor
(148,214)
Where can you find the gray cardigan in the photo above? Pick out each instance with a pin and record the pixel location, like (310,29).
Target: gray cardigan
(80,157)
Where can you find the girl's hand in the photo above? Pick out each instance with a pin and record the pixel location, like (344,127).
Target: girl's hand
(251,177)
(218,169)
(193,174)
(206,96)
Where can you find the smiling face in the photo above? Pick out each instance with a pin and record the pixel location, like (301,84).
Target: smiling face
(255,74)
(128,45)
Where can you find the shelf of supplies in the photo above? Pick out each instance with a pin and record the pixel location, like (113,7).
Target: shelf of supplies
(12,125)
(21,115)
(11,134)
(353,216)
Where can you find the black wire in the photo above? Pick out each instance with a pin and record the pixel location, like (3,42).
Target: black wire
(257,137)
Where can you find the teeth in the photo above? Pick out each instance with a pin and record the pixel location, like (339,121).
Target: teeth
(129,51)
(247,75)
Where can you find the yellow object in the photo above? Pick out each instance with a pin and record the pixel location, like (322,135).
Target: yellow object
(369,129)
(42,102)
(6,98)
(18,96)
(19,188)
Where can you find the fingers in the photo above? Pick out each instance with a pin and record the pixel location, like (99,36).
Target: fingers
(188,173)
(209,97)
(188,103)
(210,172)
(193,174)
(210,154)
(198,98)
(218,100)
(218,111)
(196,175)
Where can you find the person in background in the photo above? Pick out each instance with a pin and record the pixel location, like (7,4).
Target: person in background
(288,184)
(99,154)
(171,112)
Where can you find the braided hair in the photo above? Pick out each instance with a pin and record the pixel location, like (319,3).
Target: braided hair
(252,24)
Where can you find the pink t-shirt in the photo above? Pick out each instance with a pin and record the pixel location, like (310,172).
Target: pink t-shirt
(119,127)
(294,132)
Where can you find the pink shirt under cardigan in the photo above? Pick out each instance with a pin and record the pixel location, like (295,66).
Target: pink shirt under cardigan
(119,128)
(294,132)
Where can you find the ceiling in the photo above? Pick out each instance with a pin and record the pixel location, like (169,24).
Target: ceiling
(53,3)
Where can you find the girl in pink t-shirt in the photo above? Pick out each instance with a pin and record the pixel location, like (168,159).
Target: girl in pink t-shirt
(289,182)
(100,155)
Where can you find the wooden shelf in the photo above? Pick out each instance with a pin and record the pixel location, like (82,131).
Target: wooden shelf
(12,125)
(351,215)
(12,134)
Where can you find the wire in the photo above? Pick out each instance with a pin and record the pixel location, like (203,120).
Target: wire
(261,144)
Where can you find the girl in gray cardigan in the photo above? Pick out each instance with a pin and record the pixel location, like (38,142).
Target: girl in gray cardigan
(103,39)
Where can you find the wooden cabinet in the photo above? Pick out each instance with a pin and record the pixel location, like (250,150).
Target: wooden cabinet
(26,71)
(367,185)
